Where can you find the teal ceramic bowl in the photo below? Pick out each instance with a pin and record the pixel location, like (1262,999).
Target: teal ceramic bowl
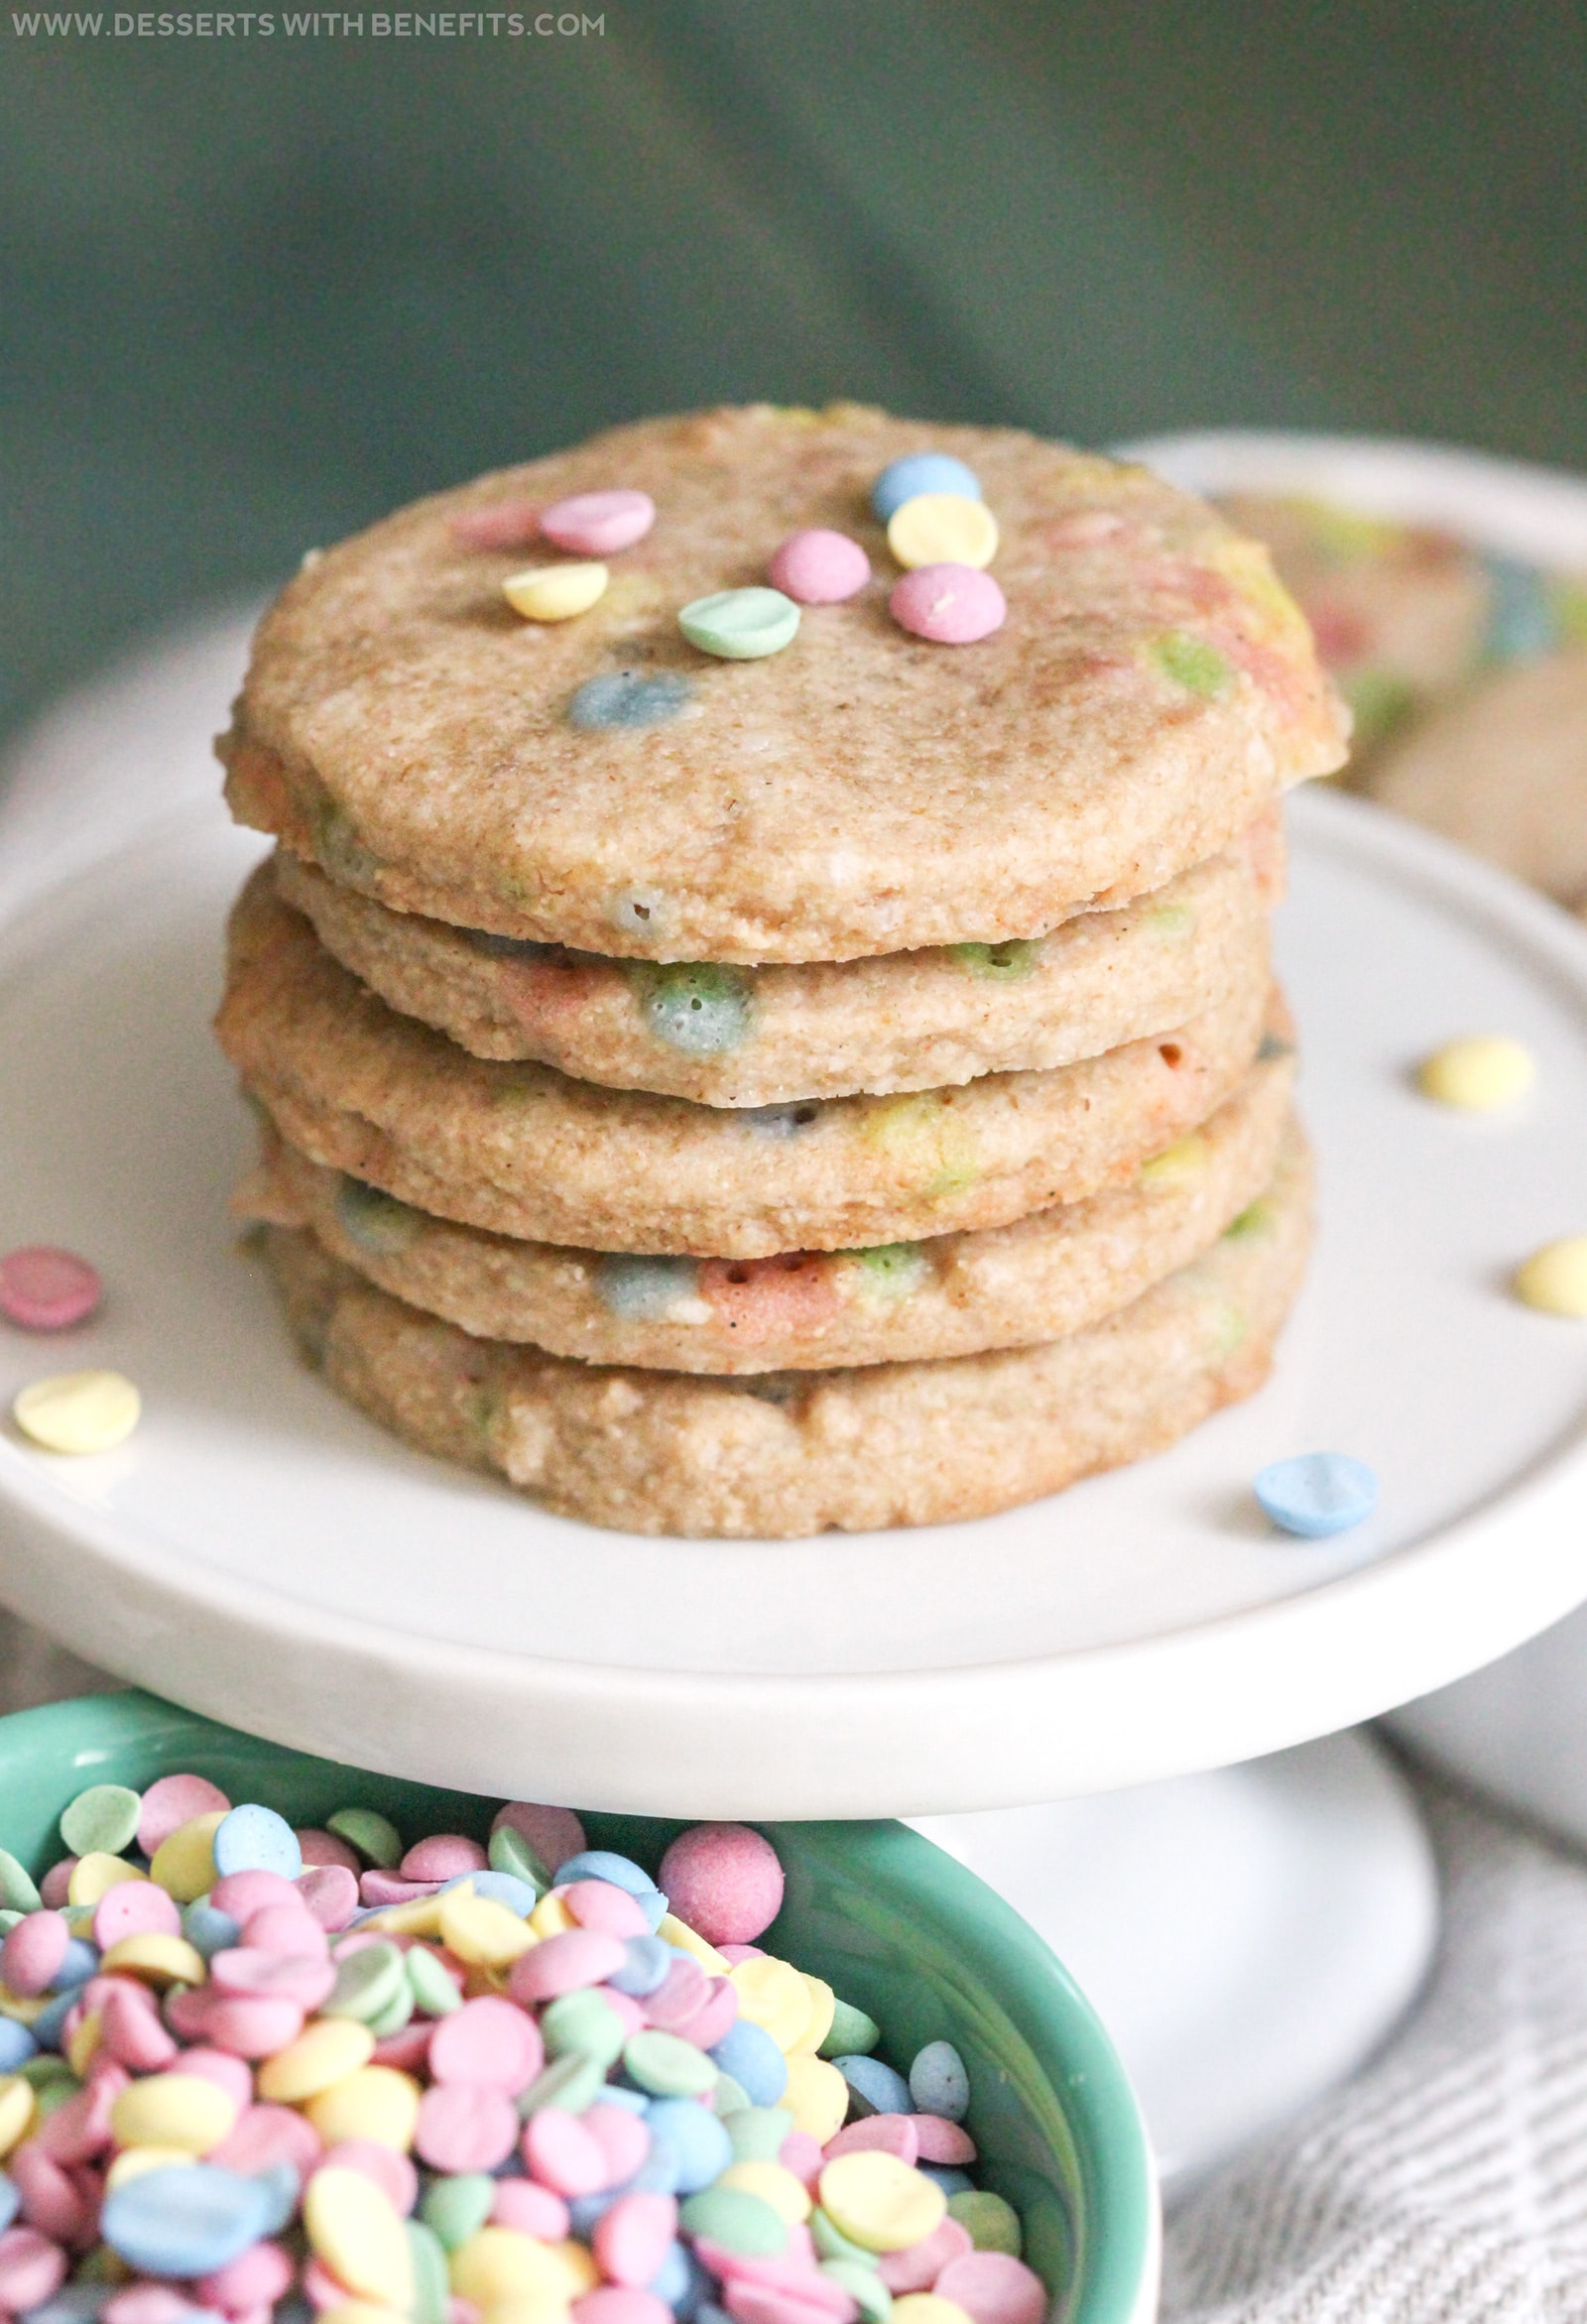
(888,1919)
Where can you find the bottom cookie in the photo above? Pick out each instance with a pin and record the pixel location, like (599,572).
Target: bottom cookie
(790,1453)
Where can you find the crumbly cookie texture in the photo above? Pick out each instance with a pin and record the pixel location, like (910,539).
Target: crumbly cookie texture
(1053,1273)
(791,1453)
(861,792)
(524,1150)
(747,1037)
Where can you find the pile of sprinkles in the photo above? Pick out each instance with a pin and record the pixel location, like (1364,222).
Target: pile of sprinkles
(248,2071)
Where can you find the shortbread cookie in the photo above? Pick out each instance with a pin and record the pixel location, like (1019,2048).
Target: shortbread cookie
(890,1444)
(527,1152)
(863,790)
(750,1036)
(1048,1275)
(1504,770)
(1401,613)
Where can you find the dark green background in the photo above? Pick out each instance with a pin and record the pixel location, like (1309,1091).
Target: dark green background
(252,295)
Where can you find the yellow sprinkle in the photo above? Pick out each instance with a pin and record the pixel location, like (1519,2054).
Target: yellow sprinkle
(928,2307)
(326,2051)
(540,2307)
(773,1995)
(674,1931)
(555,593)
(817,2097)
(479,1930)
(879,2202)
(184,1865)
(1479,1073)
(1555,1279)
(158,1960)
(23,2009)
(1185,1159)
(16,2111)
(361,2312)
(551,1917)
(499,2263)
(578,2266)
(173,2110)
(93,1876)
(419,1919)
(353,2226)
(823,2009)
(78,1411)
(942,528)
(376,2103)
(774,2185)
(84,2043)
(136,2160)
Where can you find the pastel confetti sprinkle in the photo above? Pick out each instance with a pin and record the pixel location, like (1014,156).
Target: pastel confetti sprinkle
(942,528)
(555,593)
(598,524)
(741,625)
(819,567)
(78,1411)
(48,1290)
(948,604)
(1478,1073)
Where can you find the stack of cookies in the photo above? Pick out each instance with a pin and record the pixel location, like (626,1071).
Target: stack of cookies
(743,1060)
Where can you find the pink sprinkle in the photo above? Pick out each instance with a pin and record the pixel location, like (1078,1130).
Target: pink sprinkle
(147,2303)
(622,2138)
(885,2133)
(463,2127)
(942,2140)
(45,1289)
(248,2027)
(724,1880)
(802,2154)
(532,2210)
(257,2278)
(392,2173)
(598,524)
(227,2073)
(598,1904)
(630,2239)
(717,2015)
(407,2050)
(330,1894)
(130,2028)
(489,2042)
(441,1858)
(994,2289)
(170,1802)
(243,1893)
(792,2270)
(819,567)
(680,1995)
(289,1930)
(55,1890)
(134,1908)
(817,2302)
(252,1974)
(510,524)
(320,2287)
(50,2204)
(32,1953)
(554,1833)
(317,1848)
(734,1954)
(611,2303)
(265,2135)
(562,1964)
(949,604)
(384,1888)
(628,2011)
(918,2268)
(462,2311)
(79,2130)
(562,2154)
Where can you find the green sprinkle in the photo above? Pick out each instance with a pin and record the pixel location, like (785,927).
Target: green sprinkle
(453,2209)
(741,625)
(833,2244)
(1008,963)
(16,1887)
(1380,704)
(1272,1045)
(1191,663)
(368,1983)
(569,2084)
(1254,1219)
(46,2065)
(729,2098)
(374,1220)
(669,2067)
(339,848)
(851,2034)
(511,1852)
(893,1271)
(697,1006)
(375,1839)
(49,2095)
(991,2224)
(1172,921)
(738,2222)
(581,2025)
(432,1989)
(395,2015)
(756,2133)
(432,2289)
(103,1818)
(100,2267)
(864,2287)
(9,1919)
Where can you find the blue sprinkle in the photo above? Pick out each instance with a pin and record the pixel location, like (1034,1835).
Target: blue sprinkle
(80,2303)
(46,2027)
(748,2052)
(785,1121)
(630,697)
(187,2220)
(281,2186)
(255,1839)
(1522,623)
(939,2082)
(951,2182)
(695,2143)
(642,1290)
(653,1906)
(697,1006)
(877,2088)
(710,2313)
(209,1930)
(1317,1493)
(645,1964)
(503,1887)
(17,2046)
(690,2297)
(624,2094)
(919,472)
(663,2170)
(671,2280)
(77,1963)
(586,2212)
(600,1864)
(10,2201)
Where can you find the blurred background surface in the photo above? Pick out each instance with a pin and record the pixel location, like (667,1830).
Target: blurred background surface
(253,293)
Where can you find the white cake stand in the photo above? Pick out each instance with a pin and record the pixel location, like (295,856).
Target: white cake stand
(263,1554)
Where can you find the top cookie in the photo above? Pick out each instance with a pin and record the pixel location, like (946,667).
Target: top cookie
(862,791)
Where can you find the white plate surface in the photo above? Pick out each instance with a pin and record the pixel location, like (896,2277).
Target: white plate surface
(265,1555)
